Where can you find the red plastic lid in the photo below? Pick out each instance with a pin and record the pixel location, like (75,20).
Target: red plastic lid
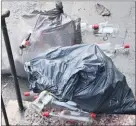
(126,46)
(46,114)
(95,26)
(27,43)
(26,93)
(93,115)
(35,97)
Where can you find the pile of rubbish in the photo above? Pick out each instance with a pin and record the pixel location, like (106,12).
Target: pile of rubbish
(33,118)
(72,81)
(82,74)
(40,31)
(55,112)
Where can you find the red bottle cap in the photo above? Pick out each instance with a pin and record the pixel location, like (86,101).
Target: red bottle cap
(26,93)
(35,97)
(126,46)
(27,43)
(93,115)
(46,114)
(95,26)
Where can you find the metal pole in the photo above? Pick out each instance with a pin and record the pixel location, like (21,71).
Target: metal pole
(10,57)
(4,112)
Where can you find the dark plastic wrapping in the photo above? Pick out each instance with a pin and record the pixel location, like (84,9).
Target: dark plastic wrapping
(85,75)
(45,30)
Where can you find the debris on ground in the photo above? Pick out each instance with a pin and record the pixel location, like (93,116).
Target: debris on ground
(42,31)
(33,118)
(115,120)
(102,10)
(49,106)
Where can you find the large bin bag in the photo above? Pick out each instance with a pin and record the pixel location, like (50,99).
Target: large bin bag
(83,74)
(43,30)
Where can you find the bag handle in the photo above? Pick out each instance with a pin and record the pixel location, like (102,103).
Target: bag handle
(59,6)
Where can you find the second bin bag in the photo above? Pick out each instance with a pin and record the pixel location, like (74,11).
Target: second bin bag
(39,31)
(85,75)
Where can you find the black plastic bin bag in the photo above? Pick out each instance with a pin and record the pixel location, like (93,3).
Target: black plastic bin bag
(85,75)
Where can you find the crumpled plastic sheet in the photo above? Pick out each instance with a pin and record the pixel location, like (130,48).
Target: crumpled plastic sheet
(83,74)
